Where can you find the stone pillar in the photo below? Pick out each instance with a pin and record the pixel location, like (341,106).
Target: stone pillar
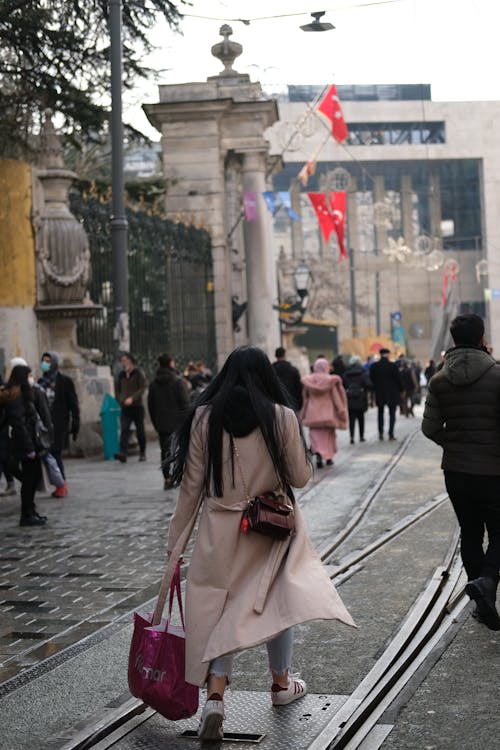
(296,226)
(204,126)
(260,264)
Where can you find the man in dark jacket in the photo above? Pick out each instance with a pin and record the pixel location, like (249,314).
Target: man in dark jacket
(289,377)
(462,414)
(357,385)
(130,388)
(64,409)
(386,380)
(167,405)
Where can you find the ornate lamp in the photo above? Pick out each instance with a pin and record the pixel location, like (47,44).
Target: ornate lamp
(302,279)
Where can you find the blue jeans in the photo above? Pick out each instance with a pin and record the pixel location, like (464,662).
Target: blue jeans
(279,652)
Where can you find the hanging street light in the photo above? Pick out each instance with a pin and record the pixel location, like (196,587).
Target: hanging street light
(317,25)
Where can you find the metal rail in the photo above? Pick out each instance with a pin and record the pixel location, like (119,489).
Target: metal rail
(353,558)
(367,501)
(426,624)
(428,621)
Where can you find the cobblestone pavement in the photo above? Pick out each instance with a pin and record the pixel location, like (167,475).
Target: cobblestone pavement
(102,552)
(99,554)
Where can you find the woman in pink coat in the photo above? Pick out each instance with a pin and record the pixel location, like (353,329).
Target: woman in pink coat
(324,410)
(243,589)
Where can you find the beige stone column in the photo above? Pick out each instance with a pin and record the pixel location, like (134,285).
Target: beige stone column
(435,190)
(296,226)
(263,325)
(406,209)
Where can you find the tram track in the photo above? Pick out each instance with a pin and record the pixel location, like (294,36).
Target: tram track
(425,627)
(421,632)
(392,670)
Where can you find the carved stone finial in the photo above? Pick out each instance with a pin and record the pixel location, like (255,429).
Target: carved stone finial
(227,51)
(51,153)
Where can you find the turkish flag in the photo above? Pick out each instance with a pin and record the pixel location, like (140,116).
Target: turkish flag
(330,107)
(325,217)
(337,207)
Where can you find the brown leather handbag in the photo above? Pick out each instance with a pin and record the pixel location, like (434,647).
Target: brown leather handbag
(270,514)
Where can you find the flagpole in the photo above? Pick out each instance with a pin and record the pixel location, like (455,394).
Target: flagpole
(352,278)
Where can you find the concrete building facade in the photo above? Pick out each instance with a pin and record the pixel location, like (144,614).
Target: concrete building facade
(433,168)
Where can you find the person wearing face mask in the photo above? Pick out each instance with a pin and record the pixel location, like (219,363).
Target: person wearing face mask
(64,409)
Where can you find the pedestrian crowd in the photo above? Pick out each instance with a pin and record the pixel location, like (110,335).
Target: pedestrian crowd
(337,396)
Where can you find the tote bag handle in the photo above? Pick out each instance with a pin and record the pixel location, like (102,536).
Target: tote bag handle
(175,588)
(172,564)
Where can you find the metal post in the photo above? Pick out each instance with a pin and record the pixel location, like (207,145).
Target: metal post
(377,303)
(352,277)
(118,218)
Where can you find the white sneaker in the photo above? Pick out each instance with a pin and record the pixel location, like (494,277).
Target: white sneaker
(212,716)
(296,689)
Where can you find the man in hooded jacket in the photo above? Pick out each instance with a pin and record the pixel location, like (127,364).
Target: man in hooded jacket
(462,414)
(64,409)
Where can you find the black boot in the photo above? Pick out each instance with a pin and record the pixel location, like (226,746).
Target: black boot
(319,461)
(483,591)
(33,520)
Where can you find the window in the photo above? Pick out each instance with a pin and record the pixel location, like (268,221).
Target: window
(395,133)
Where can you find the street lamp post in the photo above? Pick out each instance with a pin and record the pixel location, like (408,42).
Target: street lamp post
(302,277)
(118,217)
(293,308)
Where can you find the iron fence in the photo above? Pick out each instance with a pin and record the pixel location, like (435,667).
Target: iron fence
(170,286)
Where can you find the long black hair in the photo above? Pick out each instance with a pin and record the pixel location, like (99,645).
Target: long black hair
(242,397)
(19,378)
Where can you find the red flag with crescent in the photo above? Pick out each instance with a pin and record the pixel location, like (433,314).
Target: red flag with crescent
(325,217)
(330,107)
(337,208)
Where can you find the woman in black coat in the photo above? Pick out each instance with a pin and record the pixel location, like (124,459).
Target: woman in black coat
(24,412)
(357,383)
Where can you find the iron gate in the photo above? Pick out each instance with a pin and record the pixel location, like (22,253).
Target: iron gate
(170,286)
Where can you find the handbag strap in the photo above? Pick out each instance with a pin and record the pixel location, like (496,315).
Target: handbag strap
(237,454)
(175,588)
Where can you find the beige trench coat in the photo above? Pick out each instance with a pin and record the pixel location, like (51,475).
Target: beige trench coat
(244,589)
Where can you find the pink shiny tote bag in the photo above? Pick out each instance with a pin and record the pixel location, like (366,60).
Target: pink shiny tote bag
(156,666)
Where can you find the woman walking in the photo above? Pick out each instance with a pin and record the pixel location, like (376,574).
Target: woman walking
(243,589)
(357,384)
(24,413)
(324,410)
